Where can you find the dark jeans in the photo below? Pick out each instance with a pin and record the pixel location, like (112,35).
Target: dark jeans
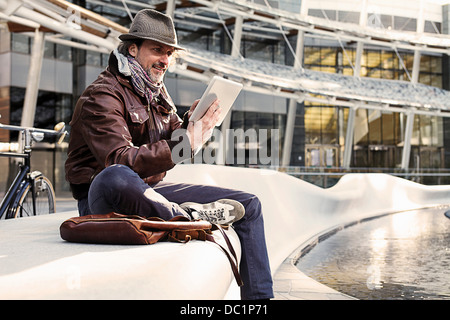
(119,189)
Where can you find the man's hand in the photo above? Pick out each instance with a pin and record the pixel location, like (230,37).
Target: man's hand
(200,131)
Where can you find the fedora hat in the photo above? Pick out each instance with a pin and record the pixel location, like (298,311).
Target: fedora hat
(153,25)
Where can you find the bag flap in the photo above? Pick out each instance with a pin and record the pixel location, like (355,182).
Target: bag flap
(108,231)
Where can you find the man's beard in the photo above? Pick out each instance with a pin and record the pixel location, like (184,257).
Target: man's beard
(156,78)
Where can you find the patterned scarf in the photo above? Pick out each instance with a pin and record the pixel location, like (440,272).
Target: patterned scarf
(148,89)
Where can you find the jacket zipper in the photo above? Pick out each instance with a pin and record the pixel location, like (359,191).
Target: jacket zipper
(152,126)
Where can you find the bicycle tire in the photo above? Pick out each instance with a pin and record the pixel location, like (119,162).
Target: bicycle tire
(22,206)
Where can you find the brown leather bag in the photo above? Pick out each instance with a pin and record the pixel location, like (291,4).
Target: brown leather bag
(114,228)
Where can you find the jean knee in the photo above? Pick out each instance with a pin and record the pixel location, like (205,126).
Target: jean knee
(114,177)
(252,207)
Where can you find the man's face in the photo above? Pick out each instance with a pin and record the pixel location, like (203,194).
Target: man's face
(154,57)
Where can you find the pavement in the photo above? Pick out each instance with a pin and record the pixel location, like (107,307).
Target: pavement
(292,284)
(64,204)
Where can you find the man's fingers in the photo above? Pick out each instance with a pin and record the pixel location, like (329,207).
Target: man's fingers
(192,108)
(213,107)
(194,105)
(217,113)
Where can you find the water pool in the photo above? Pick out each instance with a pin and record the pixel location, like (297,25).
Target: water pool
(399,256)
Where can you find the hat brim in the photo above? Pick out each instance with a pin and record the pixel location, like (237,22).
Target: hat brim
(127,36)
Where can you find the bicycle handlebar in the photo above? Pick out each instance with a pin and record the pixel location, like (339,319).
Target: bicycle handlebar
(59,130)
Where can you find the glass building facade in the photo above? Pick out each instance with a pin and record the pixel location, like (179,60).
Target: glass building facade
(379,136)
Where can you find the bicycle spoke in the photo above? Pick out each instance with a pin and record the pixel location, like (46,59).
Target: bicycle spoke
(44,199)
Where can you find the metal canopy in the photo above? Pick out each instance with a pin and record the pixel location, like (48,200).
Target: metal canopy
(425,42)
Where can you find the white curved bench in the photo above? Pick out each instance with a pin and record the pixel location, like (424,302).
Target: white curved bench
(296,212)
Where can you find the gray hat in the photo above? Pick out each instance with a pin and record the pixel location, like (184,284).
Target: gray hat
(150,24)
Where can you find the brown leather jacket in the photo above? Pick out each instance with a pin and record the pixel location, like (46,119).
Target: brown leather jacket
(112,124)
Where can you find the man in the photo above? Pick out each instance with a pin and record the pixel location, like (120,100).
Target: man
(121,146)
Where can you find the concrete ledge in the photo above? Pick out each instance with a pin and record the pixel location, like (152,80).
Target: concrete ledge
(35,263)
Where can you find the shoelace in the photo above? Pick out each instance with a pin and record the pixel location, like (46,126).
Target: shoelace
(215,214)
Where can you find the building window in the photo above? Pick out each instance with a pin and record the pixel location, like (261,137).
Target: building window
(51,108)
(257,121)
(379,136)
(20,43)
(49,50)
(63,52)
(324,134)
(321,125)
(93,58)
(272,51)
(427,131)
(431,70)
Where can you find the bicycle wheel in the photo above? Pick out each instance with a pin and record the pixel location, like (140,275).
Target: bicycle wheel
(22,206)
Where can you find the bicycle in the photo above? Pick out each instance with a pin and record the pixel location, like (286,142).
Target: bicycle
(31,193)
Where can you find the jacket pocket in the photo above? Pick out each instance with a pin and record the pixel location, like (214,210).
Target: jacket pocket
(138,115)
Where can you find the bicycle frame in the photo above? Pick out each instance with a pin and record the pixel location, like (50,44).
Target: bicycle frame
(21,175)
(25,168)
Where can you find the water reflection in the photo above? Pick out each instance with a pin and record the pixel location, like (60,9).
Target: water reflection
(400,256)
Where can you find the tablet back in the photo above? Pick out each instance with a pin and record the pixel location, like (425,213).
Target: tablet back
(219,88)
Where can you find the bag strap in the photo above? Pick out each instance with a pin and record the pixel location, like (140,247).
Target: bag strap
(234,264)
(227,240)
(185,236)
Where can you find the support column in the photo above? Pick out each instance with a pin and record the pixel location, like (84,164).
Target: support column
(407,143)
(446,83)
(170,8)
(34,75)
(416,67)
(236,48)
(292,109)
(414,79)
(289,133)
(348,146)
(226,124)
(358,57)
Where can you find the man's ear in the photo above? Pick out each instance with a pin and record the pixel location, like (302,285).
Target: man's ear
(132,50)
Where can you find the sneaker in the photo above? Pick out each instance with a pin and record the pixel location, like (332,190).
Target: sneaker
(224,211)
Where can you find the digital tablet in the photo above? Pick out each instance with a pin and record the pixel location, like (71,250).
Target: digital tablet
(219,88)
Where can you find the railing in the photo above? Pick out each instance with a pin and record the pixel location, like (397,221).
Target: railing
(326,177)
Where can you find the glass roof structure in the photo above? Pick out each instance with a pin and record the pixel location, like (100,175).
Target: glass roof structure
(335,88)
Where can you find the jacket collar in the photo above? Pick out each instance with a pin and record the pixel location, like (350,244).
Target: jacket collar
(113,67)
